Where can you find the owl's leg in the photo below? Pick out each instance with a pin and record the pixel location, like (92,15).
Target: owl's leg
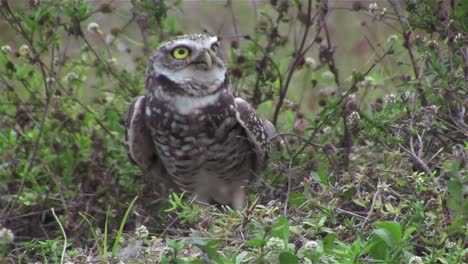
(201,201)
(238,198)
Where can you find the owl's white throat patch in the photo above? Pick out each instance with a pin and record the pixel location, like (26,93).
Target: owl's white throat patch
(187,104)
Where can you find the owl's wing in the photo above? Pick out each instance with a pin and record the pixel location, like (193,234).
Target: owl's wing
(142,151)
(140,146)
(258,131)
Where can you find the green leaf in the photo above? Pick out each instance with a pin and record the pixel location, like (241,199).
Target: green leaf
(393,229)
(296,199)
(255,242)
(281,228)
(240,257)
(288,258)
(122,224)
(328,242)
(349,193)
(385,236)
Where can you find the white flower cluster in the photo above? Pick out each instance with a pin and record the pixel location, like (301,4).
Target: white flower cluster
(6,236)
(71,76)
(373,7)
(142,232)
(416,260)
(311,246)
(275,244)
(390,98)
(24,50)
(353,117)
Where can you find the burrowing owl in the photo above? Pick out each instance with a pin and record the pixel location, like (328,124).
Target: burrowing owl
(189,131)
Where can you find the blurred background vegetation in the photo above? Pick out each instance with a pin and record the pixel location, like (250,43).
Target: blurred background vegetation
(370,99)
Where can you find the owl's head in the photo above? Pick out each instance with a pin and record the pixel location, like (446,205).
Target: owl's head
(192,60)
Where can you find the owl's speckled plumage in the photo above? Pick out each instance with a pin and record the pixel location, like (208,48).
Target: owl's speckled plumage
(189,131)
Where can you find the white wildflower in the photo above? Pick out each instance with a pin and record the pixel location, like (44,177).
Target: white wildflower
(6,236)
(309,61)
(112,61)
(432,44)
(6,48)
(383,12)
(24,50)
(71,76)
(458,37)
(275,244)
(142,231)
(50,80)
(311,246)
(390,98)
(93,27)
(415,260)
(392,38)
(328,76)
(450,245)
(373,7)
(353,117)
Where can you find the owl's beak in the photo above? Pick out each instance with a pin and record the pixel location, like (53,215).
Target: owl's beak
(205,60)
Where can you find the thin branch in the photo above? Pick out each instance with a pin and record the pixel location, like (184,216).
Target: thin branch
(407,44)
(294,64)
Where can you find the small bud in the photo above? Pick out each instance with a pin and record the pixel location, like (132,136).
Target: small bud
(351,105)
(314,82)
(357,5)
(322,103)
(10,66)
(81,116)
(115,31)
(105,8)
(432,44)
(33,3)
(240,59)
(303,18)
(237,72)
(235,44)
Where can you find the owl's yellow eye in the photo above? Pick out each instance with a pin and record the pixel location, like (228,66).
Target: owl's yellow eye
(215,47)
(181,53)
